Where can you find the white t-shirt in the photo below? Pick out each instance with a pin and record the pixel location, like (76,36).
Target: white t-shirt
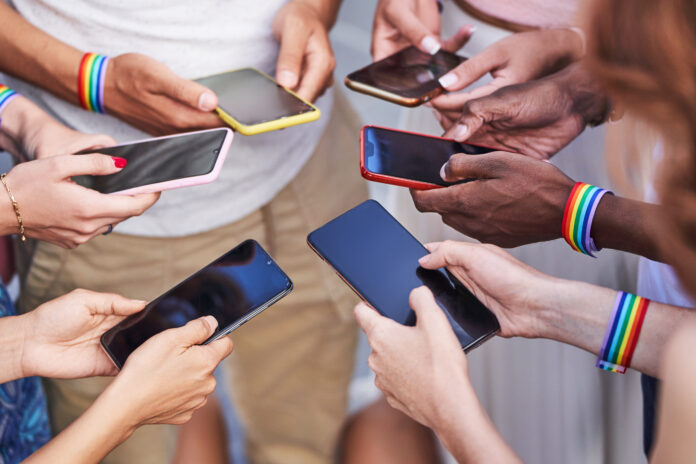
(194,39)
(657,281)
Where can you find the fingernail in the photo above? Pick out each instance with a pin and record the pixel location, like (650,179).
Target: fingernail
(472,29)
(287,78)
(460,132)
(212,321)
(442,171)
(119,162)
(424,260)
(206,102)
(448,80)
(139,301)
(430,44)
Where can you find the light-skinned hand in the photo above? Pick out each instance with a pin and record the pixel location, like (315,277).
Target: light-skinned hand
(61,337)
(59,211)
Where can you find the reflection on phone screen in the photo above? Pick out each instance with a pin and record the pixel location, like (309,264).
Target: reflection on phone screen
(252,98)
(230,289)
(378,257)
(411,156)
(409,73)
(158,160)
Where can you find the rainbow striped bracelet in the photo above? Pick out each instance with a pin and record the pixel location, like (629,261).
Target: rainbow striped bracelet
(579,213)
(622,333)
(6,96)
(90,82)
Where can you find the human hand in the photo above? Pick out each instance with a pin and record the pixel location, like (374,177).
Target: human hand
(421,370)
(170,375)
(400,23)
(62,336)
(513,199)
(306,60)
(59,211)
(29,133)
(536,118)
(518,295)
(515,59)
(56,139)
(147,95)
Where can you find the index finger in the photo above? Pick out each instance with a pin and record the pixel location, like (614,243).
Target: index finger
(448,253)
(111,304)
(319,64)
(293,45)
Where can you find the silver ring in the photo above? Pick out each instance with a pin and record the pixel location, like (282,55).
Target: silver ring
(111,229)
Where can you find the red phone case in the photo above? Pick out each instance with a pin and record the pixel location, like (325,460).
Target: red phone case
(400,181)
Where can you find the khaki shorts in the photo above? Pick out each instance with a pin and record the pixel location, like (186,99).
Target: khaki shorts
(292,364)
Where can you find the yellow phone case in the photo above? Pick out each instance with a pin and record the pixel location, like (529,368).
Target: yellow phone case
(268,126)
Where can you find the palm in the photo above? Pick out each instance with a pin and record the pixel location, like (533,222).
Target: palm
(73,338)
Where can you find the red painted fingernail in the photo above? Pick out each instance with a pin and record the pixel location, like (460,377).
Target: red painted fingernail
(120,162)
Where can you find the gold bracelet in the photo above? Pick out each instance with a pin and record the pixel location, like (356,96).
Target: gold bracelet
(15,206)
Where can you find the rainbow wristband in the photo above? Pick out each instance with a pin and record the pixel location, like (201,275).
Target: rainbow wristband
(90,82)
(578,216)
(6,96)
(622,333)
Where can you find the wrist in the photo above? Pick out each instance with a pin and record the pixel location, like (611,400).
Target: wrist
(123,416)
(576,313)
(587,96)
(13,348)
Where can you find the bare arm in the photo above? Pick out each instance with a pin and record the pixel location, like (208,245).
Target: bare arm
(530,304)
(36,57)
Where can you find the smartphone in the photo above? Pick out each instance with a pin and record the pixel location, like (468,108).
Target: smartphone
(163,163)
(408,77)
(251,102)
(378,258)
(234,288)
(408,159)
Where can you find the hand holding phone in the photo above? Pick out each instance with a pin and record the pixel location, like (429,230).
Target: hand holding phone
(378,258)
(251,102)
(163,163)
(57,210)
(408,77)
(234,288)
(408,159)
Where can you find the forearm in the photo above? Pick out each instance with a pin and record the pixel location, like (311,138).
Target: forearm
(91,437)
(627,225)
(12,341)
(468,433)
(36,57)
(577,314)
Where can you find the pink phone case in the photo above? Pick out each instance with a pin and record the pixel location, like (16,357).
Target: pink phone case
(186,181)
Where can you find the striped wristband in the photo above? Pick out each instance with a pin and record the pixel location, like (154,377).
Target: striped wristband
(90,82)
(6,96)
(622,333)
(578,216)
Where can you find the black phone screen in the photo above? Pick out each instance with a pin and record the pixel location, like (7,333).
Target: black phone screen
(252,98)
(411,156)
(378,257)
(232,289)
(409,73)
(158,160)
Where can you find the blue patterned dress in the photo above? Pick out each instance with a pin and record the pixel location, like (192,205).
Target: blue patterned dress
(23,418)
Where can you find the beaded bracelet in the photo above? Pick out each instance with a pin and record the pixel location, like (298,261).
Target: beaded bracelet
(90,82)
(6,96)
(622,333)
(578,216)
